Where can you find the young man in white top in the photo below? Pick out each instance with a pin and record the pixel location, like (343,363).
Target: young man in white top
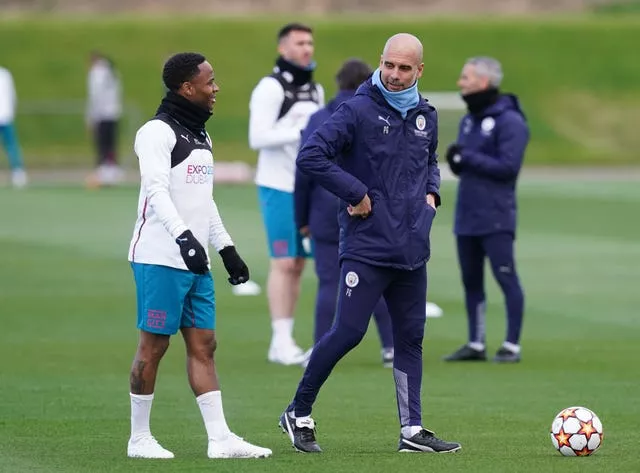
(177,218)
(8,136)
(280,107)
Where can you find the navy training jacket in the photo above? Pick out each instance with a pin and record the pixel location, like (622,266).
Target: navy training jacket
(366,147)
(315,206)
(493,145)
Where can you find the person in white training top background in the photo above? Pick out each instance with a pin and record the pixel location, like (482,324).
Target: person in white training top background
(177,218)
(103,114)
(280,107)
(8,136)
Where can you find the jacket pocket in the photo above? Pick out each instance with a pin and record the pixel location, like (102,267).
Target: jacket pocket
(423,215)
(380,227)
(422,222)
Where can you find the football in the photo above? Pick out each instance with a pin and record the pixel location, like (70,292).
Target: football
(576,431)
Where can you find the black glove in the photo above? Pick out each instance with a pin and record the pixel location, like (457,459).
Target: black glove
(234,265)
(192,253)
(454,158)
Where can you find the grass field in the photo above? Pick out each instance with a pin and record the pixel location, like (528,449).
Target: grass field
(68,336)
(577,78)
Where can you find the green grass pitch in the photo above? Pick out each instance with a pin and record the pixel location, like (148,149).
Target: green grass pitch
(68,335)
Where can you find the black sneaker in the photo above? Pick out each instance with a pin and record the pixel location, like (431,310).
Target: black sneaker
(301,432)
(466,353)
(504,355)
(426,441)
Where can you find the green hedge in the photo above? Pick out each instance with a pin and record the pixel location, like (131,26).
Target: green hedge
(577,78)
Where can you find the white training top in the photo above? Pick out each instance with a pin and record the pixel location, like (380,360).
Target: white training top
(104,93)
(173,199)
(8,97)
(277,139)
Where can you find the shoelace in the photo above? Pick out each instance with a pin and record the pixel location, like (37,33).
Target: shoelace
(427,434)
(307,434)
(151,441)
(146,439)
(424,433)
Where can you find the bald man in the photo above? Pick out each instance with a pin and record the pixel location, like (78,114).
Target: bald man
(377,153)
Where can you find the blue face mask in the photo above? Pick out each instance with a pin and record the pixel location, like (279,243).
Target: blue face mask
(402,101)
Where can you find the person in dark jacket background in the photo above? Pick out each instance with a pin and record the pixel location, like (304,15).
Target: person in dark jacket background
(317,218)
(487,158)
(386,175)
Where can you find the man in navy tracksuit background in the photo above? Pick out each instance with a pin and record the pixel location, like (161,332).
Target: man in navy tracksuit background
(487,158)
(317,218)
(384,140)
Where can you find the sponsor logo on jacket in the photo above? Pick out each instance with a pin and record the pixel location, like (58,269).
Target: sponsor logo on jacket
(199,174)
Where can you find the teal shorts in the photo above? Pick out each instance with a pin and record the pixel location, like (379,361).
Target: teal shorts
(283,237)
(169,299)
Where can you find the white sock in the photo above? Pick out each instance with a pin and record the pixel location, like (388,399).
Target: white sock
(282,331)
(477,346)
(512,347)
(140,414)
(410,430)
(213,416)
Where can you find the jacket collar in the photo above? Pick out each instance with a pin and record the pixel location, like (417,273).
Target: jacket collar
(505,102)
(367,88)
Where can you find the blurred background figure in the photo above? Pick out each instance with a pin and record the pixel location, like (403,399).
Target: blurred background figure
(487,157)
(104,110)
(280,107)
(8,102)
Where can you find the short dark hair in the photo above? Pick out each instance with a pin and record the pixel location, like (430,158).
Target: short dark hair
(288,28)
(352,73)
(181,68)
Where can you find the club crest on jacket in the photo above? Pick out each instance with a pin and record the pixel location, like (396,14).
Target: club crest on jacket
(487,125)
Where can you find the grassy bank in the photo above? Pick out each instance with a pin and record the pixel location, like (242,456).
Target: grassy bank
(577,79)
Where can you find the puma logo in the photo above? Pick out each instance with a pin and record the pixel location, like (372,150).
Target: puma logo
(386,120)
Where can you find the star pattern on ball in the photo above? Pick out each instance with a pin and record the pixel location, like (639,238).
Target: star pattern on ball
(569,412)
(587,429)
(562,438)
(584,452)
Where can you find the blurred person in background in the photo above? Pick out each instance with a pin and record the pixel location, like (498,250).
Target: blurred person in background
(8,103)
(487,158)
(317,218)
(279,109)
(104,110)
